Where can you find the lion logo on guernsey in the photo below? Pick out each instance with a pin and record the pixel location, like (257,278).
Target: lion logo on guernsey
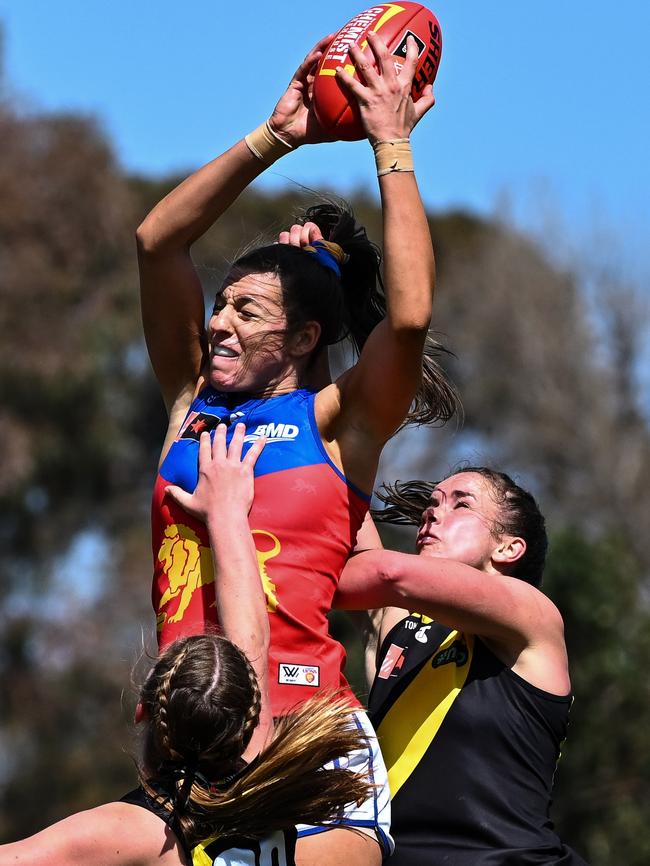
(263,557)
(188,566)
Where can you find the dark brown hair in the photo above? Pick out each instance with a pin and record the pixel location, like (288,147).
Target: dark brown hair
(349,306)
(202,702)
(519,515)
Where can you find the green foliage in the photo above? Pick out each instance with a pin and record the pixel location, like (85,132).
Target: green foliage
(68,733)
(597,584)
(81,422)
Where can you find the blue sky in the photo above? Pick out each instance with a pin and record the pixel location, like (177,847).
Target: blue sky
(544,104)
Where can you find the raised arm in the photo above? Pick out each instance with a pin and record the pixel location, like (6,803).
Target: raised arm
(519,621)
(172,299)
(222,500)
(392,354)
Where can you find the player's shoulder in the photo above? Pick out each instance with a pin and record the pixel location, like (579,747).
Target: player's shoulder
(119,834)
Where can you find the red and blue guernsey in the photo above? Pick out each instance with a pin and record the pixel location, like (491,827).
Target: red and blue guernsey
(304,520)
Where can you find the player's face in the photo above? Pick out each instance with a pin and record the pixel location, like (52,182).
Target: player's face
(246,336)
(458,521)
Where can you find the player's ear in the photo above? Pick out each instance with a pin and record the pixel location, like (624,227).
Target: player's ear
(306,340)
(509,549)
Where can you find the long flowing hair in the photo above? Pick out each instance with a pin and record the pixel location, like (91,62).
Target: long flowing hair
(202,702)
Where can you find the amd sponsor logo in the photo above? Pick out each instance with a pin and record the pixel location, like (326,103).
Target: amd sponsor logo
(274,432)
(298,675)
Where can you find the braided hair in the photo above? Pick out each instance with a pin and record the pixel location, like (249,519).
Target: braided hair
(203,702)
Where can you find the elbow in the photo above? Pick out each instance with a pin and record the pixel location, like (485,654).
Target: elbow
(390,576)
(412,321)
(394,574)
(259,640)
(414,326)
(146,238)
(153,237)
(257,653)
(254,644)
(372,579)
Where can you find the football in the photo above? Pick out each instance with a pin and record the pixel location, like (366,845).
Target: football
(394,22)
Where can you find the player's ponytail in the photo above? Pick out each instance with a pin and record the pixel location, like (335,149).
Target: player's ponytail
(286,784)
(365,306)
(344,294)
(202,703)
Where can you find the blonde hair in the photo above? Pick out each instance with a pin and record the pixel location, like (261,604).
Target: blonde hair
(203,703)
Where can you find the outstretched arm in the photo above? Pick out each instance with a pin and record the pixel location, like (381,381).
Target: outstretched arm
(115,834)
(172,299)
(519,621)
(392,355)
(222,500)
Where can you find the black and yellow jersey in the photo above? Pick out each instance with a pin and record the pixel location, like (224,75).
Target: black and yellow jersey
(471,750)
(276,849)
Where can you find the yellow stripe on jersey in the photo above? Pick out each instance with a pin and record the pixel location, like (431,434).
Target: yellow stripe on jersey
(410,725)
(199,855)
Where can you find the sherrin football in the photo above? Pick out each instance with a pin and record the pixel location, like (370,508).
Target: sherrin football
(394,22)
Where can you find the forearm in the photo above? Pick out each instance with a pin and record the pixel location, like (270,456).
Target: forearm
(222,499)
(241,605)
(434,586)
(392,354)
(189,210)
(238,587)
(452,593)
(409,270)
(115,834)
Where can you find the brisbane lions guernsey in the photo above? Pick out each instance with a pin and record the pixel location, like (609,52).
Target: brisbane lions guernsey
(304,521)
(471,750)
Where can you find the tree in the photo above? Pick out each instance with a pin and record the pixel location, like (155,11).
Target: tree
(598,586)
(81,423)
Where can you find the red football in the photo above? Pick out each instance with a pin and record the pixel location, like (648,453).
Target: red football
(394,22)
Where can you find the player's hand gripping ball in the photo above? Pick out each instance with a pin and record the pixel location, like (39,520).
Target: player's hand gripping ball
(394,22)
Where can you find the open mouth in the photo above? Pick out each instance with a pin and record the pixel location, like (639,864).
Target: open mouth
(223,352)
